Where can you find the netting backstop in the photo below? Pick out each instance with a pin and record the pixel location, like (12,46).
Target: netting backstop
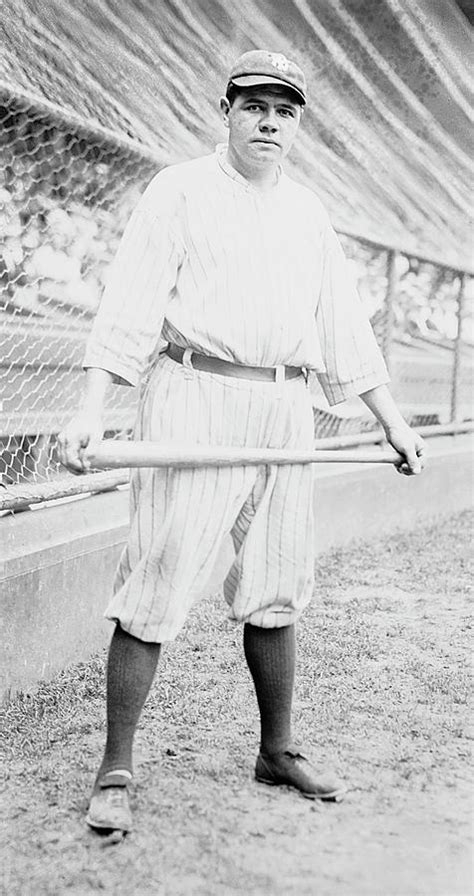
(66,192)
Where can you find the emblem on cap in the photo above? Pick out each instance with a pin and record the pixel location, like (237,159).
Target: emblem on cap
(279,61)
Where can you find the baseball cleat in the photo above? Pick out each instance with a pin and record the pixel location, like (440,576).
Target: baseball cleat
(109,808)
(292,769)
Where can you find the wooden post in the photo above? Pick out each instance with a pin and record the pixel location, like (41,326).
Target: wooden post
(389,316)
(457,360)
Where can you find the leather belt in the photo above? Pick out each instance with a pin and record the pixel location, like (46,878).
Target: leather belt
(211,364)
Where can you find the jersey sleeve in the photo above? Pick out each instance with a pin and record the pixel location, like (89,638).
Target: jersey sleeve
(352,359)
(139,285)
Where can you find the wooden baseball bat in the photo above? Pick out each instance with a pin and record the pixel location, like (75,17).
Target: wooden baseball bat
(110,453)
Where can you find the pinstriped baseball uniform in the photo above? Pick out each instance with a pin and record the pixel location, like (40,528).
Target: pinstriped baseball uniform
(257,278)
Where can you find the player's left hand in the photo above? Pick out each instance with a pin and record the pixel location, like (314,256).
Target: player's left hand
(410,446)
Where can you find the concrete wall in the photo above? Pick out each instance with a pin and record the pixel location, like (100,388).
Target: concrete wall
(58,562)
(58,565)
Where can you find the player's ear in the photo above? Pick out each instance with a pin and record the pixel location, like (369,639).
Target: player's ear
(225,109)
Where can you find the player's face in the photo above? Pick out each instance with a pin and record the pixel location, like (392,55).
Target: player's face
(262,123)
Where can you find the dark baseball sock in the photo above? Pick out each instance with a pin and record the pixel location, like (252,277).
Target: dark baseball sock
(271,657)
(130,671)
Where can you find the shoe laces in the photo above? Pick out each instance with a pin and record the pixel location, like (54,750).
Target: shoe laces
(116,795)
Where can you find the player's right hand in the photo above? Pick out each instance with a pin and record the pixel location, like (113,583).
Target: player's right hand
(81,433)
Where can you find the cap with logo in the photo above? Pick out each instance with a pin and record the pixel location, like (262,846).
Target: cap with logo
(259,67)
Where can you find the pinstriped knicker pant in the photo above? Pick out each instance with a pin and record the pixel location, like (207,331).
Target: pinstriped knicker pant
(179,517)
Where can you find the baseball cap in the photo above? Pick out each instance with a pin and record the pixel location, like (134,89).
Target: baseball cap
(258,67)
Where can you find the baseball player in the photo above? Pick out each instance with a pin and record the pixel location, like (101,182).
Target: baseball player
(228,291)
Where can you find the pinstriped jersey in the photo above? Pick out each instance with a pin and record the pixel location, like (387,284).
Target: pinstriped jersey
(250,276)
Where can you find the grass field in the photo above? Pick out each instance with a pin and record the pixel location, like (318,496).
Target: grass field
(383,687)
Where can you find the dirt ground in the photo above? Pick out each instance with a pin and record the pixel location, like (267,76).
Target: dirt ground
(382,697)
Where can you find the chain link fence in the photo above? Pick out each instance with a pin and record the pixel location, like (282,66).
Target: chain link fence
(66,192)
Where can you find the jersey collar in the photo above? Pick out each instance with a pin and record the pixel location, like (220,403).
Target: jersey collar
(230,171)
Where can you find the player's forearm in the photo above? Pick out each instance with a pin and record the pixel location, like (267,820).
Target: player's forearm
(95,391)
(380,402)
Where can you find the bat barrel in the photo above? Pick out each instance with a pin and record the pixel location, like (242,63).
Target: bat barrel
(115,454)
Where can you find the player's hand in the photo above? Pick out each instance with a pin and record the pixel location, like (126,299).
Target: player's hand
(410,446)
(83,432)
